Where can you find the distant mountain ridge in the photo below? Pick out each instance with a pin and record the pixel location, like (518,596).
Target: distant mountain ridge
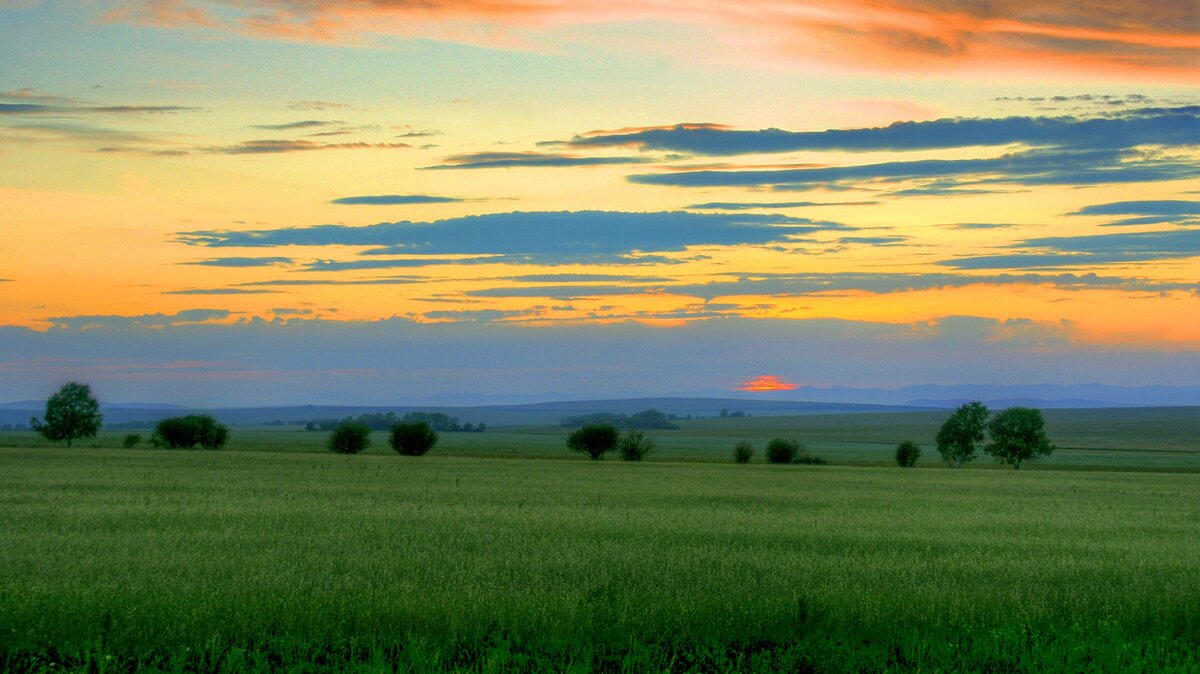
(803,400)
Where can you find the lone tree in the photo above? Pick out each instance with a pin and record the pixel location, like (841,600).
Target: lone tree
(1018,434)
(189,431)
(73,412)
(634,445)
(962,431)
(594,440)
(350,437)
(412,438)
(907,454)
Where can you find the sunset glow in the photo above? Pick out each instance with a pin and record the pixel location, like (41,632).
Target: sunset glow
(594,197)
(767,382)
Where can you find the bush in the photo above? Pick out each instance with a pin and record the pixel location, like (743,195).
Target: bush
(593,439)
(412,438)
(634,445)
(743,451)
(780,450)
(812,459)
(190,431)
(131,440)
(350,437)
(907,454)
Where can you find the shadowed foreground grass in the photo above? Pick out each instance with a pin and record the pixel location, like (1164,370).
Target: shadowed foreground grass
(254,561)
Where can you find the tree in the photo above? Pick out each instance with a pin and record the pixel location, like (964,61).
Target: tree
(780,450)
(960,433)
(412,438)
(189,431)
(634,445)
(907,454)
(743,451)
(594,440)
(1018,434)
(73,412)
(350,437)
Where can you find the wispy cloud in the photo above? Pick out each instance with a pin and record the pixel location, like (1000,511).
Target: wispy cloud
(241,262)
(1096,249)
(220,291)
(395,200)
(156,321)
(290,126)
(489,160)
(792,285)
(1178,126)
(286,146)
(1033,167)
(536,237)
(750,206)
(909,35)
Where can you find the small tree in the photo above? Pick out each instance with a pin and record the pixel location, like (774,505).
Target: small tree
(350,437)
(73,412)
(960,433)
(189,431)
(634,445)
(131,440)
(743,451)
(412,438)
(907,454)
(782,450)
(1018,434)
(593,439)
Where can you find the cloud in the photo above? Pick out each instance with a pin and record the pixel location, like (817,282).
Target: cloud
(533,237)
(155,321)
(480,315)
(1065,251)
(242,262)
(219,291)
(488,160)
(285,146)
(793,285)
(909,35)
(1180,126)
(260,362)
(317,106)
(1029,168)
(1150,212)
(748,206)
(395,200)
(979,225)
(305,124)
(385,281)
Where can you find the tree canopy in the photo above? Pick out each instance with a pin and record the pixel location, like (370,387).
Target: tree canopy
(595,440)
(958,436)
(1018,435)
(71,413)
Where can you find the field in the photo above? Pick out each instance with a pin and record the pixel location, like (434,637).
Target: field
(281,556)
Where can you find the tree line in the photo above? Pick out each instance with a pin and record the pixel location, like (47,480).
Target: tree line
(376,421)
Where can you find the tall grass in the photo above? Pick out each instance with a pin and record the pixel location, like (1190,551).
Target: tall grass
(155,558)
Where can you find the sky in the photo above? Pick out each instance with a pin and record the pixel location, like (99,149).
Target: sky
(255,202)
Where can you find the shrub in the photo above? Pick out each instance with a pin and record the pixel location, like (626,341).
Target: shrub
(782,450)
(743,451)
(350,437)
(412,438)
(812,459)
(190,431)
(593,439)
(634,445)
(907,454)
(131,440)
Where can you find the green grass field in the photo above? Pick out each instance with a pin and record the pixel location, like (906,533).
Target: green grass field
(291,558)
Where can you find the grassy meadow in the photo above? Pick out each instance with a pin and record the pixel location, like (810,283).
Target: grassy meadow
(274,555)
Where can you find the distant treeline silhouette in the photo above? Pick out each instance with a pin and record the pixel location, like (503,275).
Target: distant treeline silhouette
(650,418)
(384,421)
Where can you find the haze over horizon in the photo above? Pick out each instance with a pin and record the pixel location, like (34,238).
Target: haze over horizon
(240,202)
